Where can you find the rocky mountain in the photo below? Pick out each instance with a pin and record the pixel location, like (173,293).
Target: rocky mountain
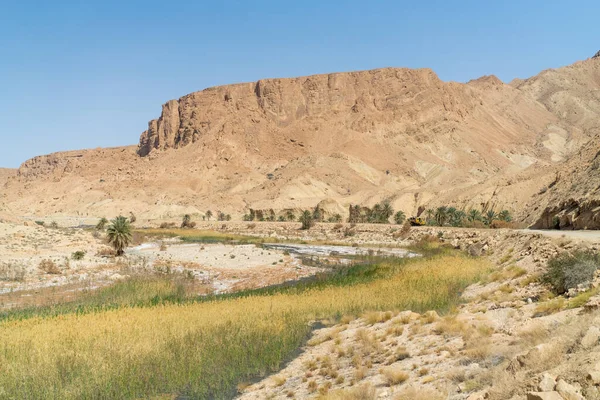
(335,139)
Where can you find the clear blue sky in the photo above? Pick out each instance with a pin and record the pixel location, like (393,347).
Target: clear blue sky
(81,74)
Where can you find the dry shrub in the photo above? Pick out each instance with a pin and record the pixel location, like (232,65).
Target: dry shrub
(362,392)
(533,334)
(360,373)
(395,375)
(251,226)
(163,246)
(105,252)
(338,227)
(49,267)
(429,317)
(367,342)
(167,225)
(413,393)
(279,380)
(498,224)
(549,307)
(376,317)
(478,349)
(399,354)
(12,272)
(450,326)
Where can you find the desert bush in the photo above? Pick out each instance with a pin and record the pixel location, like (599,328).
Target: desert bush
(105,252)
(566,271)
(167,225)
(49,267)
(40,223)
(12,272)
(54,225)
(307,220)
(78,255)
(132,217)
(186,221)
(395,375)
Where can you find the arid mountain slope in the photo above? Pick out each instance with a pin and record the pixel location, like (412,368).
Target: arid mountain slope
(335,139)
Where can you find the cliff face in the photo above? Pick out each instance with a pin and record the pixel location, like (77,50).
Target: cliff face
(337,139)
(359,101)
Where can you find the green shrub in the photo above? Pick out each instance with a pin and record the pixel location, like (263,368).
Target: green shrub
(566,271)
(78,255)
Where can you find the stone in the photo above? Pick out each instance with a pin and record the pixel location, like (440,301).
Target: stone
(567,391)
(592,304)
(594,376)
(547,383)
(591,337)
(544,396)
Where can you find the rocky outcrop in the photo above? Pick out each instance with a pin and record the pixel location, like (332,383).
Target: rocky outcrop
(358,101)
(571,214)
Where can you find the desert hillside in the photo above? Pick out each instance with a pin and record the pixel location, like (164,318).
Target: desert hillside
(337,139)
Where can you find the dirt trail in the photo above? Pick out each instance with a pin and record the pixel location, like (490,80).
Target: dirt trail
(590,236)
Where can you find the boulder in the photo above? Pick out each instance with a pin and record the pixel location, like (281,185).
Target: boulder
(547,383)
(591,337)
(594,376)
(567,391)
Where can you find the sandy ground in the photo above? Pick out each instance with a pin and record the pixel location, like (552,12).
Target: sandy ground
(216,268)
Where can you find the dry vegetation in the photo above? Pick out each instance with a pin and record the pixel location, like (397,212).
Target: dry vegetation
(205,349)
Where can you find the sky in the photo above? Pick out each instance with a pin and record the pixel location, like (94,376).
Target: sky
(86,74)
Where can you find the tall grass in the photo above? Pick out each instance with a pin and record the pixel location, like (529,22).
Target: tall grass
(202,350)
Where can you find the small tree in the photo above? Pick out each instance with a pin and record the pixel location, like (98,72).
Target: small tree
(399,217)
(101,224)
(306,219)
(209,215)
(187,219)
(119,234)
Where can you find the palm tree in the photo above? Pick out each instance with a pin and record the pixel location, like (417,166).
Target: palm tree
(119,234)
(307,219)
(101,224)
(504,215)
(187,218)
(289,214)
(441,215)
(474,215)
(429,214)
(399,217)
(386,212)
(489,217)
(208,215)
